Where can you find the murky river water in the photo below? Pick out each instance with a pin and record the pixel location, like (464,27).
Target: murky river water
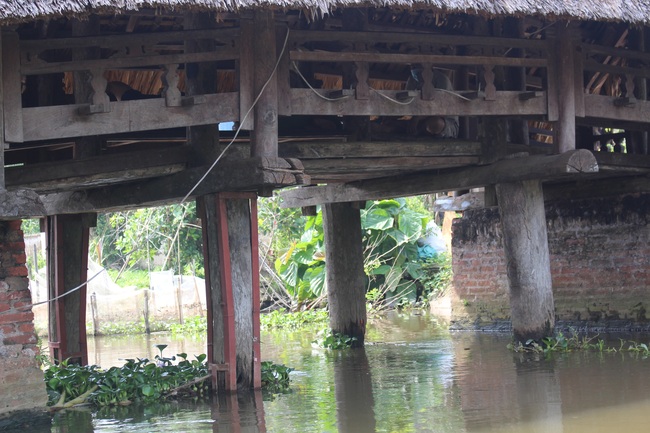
(413,376)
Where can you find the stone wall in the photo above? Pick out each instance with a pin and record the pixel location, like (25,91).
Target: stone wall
(600,264)
(23,397)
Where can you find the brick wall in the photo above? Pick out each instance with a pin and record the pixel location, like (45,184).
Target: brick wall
(600,264)
(21,381)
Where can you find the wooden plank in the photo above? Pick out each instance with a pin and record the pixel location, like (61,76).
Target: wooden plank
(348,56)
(573,163)
(46,123)
(107,166)
(623,162)
(378,165)
(11,83)
(603,107)
(378,149)
(616,52)
(301,36)
(237,175)
(305,102)
(591,65)
(121,41)
(224,53)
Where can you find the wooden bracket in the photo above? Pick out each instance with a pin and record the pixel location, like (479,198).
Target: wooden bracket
(406,95)
(525,96)
(188,101)
(88,109)
(625,101)
(340,94)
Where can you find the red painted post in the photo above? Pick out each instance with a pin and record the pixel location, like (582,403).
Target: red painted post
(255,266)
(230,349)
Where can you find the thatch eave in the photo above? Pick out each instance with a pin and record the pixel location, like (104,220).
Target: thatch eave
(17,11)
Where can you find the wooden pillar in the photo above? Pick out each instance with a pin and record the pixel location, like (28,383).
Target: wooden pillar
(2,122)
(562,54)
(265,134)
(229,222)
(346,290)
(525,241)
(67,267)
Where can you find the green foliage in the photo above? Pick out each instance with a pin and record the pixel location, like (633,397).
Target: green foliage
(124,239)
(563,343)
(191,326)
(129,328)
(31,227)
(436,276)
(137,380)
(302,266)
(334,340)
(130,277)
(294,320)
(275,377)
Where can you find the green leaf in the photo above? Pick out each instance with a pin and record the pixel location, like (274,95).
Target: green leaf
(381,270)
(376,219)
(393,277)
(410,223)
(290,274)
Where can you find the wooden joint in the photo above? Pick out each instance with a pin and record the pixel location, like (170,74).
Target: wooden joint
(340,94)
(309,211)
(474,95)
(626,101)
(88,109)
(525,96)
(406,95)
(189,101)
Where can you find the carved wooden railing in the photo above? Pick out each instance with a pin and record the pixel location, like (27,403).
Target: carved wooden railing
(361,49)
(157,51)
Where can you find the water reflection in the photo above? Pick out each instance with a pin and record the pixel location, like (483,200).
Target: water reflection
(353,389)
(412,376)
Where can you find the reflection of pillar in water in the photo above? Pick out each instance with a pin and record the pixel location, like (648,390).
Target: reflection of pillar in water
(538,394)
(241,412)
(353,389)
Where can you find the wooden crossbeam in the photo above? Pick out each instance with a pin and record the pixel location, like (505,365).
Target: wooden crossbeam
(507,170)
(239,175)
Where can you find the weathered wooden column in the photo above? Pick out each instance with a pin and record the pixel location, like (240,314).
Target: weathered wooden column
(525,241)
(230,247)
(562,84)
(264,140)
(229,222)
(67,268)
(346,290)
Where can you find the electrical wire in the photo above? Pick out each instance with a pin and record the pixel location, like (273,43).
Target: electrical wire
(69,292)
(295,68)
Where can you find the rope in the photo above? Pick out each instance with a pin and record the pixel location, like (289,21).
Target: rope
(295,68)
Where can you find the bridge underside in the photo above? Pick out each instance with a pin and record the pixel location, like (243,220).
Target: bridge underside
(121,111)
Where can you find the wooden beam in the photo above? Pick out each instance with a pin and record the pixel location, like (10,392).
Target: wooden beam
(330,56)
(47,123)
(378,149)
(21,204)
(120,167)
(238,175)
(603,107)
(305,102)
(325,167)
(508,170)
(301,36)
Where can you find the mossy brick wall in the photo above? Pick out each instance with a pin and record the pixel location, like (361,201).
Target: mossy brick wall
(600,264)
(21,381)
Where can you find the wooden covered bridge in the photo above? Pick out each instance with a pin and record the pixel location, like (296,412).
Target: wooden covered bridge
(116,105)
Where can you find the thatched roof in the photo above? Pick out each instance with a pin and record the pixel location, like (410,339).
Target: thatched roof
(635,11)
